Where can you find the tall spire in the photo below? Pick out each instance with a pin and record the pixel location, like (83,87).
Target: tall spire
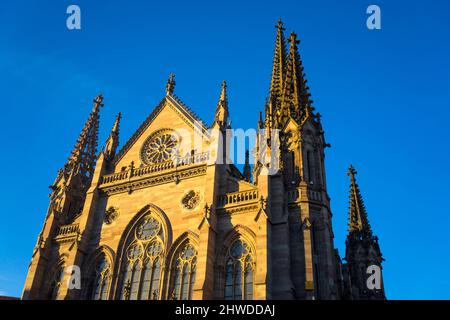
(221,115)
(279,58)
(362,250)
(295,101)
(278,75)
(247,170)
(113,140)
(84,153)
(170,86)
(358,223)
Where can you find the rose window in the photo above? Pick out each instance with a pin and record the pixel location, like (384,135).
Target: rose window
(159,148)
(148,229)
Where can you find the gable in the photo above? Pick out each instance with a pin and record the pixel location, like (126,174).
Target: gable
(169,115)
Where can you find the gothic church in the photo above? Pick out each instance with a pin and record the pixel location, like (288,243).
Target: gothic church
(159,220)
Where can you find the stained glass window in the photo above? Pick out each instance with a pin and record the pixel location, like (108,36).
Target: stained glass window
(239,272)
(183,273)
(159,148)
(100,281)
(56,283)
(142,271)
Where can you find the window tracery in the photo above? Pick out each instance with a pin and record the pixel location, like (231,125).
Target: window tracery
(159,147)
(183,273)
(100,280)
(239,272)
(143,262)
(56,283)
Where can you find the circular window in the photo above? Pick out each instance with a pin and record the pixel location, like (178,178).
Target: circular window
(159,147)
(148,229)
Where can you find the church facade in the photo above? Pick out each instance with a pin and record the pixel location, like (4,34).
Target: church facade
(169,216)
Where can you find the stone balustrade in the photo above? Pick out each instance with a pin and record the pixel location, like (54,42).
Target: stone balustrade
(237,198)
(154,168)
(68,230)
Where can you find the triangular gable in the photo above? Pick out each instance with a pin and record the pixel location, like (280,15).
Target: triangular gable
(180,108)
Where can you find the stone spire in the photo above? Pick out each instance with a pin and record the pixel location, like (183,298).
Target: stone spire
(170,86)
(83,157)
(247,170)
(113,140)
(278,75)
(295,100)
(362,251)
(279,57)
(358,223)
(221,115)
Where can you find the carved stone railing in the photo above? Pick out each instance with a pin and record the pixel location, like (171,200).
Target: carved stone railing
(154,168)
(67,232)
(157,167)
(110,178)
(192,159)
(236,198)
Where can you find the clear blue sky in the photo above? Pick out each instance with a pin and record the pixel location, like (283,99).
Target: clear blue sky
(384,96)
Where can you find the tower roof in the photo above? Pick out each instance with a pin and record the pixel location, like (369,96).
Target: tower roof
(170,86)
(295,101)
(279,62)
(358,222)
(278,75)
(84,153)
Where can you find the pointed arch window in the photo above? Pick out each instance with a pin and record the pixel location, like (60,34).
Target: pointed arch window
(183,273)
(55,285)
(144,258)
(239,272)
(100,280)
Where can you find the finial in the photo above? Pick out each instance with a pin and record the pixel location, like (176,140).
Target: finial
(351,172)
(113,140)
(223,93)
(221,114)
(293,38)
(117,122)
(98,101)
(170,84)
(279,25)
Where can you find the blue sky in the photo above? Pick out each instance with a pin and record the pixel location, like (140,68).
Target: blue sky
(384,96)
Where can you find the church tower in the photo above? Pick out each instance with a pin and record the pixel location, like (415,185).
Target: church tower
(290,174)
(363,253)
(59,234)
